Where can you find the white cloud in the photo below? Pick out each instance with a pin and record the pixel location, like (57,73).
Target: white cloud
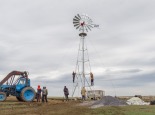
(39,37)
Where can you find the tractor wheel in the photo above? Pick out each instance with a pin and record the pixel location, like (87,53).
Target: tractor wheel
(2,96)
(19,98)
(28,94)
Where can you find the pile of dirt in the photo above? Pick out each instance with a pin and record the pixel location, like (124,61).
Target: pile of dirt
(108,101)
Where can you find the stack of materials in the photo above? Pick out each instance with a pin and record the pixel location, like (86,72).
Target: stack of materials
(136,101)
(108,101)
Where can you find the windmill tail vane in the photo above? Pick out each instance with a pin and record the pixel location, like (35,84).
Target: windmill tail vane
(95,25)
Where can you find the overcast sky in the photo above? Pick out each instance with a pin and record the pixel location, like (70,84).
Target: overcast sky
(38,36)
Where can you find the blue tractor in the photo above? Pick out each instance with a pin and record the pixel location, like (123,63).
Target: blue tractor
(17,86)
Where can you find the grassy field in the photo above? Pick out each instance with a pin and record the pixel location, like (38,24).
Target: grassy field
(57,107)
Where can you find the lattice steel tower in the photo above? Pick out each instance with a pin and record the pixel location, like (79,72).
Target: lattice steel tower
(84,24)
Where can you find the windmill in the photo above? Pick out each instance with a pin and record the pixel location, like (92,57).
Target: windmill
(84,24)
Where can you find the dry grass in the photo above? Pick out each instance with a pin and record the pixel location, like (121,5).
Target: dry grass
(54,107)
(58,107)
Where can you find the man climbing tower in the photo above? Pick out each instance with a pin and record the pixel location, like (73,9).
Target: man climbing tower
(73,76)
(92,78)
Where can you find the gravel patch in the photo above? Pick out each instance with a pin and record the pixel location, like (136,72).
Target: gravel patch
(105,101)
(108,101)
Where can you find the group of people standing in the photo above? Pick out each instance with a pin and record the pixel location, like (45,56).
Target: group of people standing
(42,94)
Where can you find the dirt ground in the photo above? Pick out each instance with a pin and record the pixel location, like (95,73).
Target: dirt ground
(54,107)
(58,107)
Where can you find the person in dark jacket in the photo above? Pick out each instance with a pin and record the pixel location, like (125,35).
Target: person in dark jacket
(73,76)
(92,78)
(44,94)
(38,93)
(66,93)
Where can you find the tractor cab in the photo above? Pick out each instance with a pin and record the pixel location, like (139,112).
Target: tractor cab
(22,82)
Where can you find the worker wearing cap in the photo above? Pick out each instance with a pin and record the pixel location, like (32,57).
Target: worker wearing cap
(38,93)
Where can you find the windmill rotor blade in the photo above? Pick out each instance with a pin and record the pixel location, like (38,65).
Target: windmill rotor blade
(75,19)
(79,16)
(76,25)
(80,28)
(75,22)
(90,21)
(88,27)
